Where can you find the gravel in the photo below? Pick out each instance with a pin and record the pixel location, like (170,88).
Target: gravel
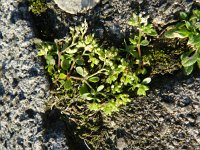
(24,87)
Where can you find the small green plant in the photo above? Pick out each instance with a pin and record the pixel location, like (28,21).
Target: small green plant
(144,29)
(86,72)
(189,28)
(37,6)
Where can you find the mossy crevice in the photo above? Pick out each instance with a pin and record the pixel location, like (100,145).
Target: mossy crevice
(37,7)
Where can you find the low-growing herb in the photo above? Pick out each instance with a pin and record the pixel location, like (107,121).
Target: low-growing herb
(86,72)
(144,29)
(188,27)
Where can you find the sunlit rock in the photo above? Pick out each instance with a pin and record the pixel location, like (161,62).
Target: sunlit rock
(75,6)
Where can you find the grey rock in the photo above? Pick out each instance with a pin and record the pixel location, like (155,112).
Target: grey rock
(108,20)
(75,6)
(151,123)
(121,144)
(24,88)
(2,91)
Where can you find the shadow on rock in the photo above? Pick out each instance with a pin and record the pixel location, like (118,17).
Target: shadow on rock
(59,132)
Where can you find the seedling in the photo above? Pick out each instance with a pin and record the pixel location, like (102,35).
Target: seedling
(144,29)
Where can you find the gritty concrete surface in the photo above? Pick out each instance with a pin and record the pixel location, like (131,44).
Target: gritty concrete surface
(24,87)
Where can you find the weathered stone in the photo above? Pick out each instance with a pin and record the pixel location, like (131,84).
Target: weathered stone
(75,6)
(23,86)
(108,20)
(156,121)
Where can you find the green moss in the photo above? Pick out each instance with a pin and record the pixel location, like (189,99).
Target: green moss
(162,61)
(37,6)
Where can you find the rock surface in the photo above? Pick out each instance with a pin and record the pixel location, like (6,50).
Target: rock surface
(76,6)
(24,87)
(108,20)
(168,118)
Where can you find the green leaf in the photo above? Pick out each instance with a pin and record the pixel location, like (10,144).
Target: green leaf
(71,51)
(81,44)
(65,64)
(43,52)
(188,25)
(133,41)
(189,61)
(50,69)
(87,96)
(179,25)
(100,88)
(188,70)
(170,33)
(182,33)
(142,71)
(68,85)
(177,33)
(196,13)
(83,89)
(194,41)
(134,20)
(93,60)
(186,54)
(198,62)
(146,81)
(62,76)
(94,106)
(109,107)
(149,30)
(89,39)
(94,79)
(142,90)
(144,43)
(183,15)
(153,33)
(62,82)
(50,60)
(80,61)
(81,71)
(43,47)
(197,26)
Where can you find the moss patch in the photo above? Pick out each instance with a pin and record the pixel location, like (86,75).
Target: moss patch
(37,6)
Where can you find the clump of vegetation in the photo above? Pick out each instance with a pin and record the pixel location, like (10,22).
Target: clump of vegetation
(144,29)
(99,77)
(188,27)
(37,6)
(90,80)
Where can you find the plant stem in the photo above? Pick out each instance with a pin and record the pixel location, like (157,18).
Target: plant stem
(59,64)
(89,85)
(72,66)
(76,78)
(139,48)
(58,52)
(139,42)
(96,73)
